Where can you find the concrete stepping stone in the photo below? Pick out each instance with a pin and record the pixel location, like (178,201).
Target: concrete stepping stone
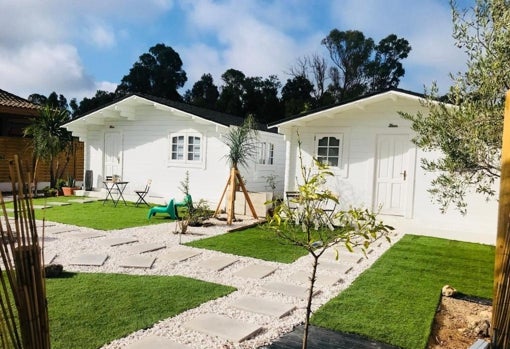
(95,260)
(156,342)
(41,207)
(264,306)
(86,235)
(288,289)
(224,327)
(118,241)
(143,248)
(337,267)
(82,201)
(218,263)
(57,203)
(59,230)
(255,271)
(177,256)
(321,279)
(144,262)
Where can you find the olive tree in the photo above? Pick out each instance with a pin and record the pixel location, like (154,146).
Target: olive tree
(307,222)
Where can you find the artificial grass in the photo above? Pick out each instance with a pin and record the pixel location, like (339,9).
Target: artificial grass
(87,311)
(253,242)
(396,299)
(96,215)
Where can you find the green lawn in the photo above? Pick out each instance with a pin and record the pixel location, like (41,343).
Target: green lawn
(395,300)
(253,242)
(96,215)
(89,310)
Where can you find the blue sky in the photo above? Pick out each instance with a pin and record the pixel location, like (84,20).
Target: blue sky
(77,47)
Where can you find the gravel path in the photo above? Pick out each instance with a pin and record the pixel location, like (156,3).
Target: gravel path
(61,242)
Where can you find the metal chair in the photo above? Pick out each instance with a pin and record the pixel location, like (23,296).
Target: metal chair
(142,193)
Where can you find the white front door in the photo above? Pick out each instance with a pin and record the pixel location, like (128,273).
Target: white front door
(112,154)
(393,172)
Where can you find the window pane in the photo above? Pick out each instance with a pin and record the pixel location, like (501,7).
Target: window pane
(323,142)
(333,161)
(333,151)
(334,142)
(322,151)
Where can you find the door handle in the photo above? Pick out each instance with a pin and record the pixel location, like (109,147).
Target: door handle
(404,174)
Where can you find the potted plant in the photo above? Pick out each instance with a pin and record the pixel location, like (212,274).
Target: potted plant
(68,189)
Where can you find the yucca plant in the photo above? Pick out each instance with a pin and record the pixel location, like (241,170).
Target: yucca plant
(24,320)
(242,143)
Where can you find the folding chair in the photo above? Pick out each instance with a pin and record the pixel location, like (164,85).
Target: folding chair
(142,193)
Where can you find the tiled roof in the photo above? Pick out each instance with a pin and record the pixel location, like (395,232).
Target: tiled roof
(9,100)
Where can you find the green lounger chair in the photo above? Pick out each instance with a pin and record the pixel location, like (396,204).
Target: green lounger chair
(171,208)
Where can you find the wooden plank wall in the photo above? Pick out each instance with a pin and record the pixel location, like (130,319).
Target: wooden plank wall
(10,146)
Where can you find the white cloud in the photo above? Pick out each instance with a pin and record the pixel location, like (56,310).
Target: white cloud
(42,68)
(101,36)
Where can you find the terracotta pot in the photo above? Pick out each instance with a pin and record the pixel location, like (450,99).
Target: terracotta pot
(68,191)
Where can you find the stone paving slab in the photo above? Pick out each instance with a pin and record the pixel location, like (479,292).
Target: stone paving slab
(263,306)
(156,342)
(256,271)
(82,201)
(41,207)
(95,260)
(118,241)
(224,327)
(59,230)
(218,263)
(57,203)
(144,262)
(337,267)
(143,248)
(288,289)
(177,256)
(321,279)
(87,235)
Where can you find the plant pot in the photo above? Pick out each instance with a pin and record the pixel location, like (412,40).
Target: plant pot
(68,191)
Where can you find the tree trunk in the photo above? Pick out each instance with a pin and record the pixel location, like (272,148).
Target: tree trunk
(309,302)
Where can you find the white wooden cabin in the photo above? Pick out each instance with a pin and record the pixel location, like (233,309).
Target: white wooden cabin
(140,137)
(375,164)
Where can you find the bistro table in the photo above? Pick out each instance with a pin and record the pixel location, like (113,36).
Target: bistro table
(117,187)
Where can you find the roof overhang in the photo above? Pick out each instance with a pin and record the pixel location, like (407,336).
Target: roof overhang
(125,110)
(361,104)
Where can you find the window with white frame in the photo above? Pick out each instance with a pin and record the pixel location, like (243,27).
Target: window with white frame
(266,153)
(329,149)
(185,148)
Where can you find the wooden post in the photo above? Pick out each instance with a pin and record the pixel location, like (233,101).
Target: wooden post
(500,328)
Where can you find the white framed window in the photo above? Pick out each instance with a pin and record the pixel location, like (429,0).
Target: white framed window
(186,148)
(329,149)
(265,154)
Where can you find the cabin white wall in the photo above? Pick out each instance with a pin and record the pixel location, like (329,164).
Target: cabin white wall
(145,144)
(355,181)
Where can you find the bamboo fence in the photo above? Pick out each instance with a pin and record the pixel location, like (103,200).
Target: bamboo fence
(24,320)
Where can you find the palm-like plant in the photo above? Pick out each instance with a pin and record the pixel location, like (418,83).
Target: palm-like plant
(242,144)
(50,139)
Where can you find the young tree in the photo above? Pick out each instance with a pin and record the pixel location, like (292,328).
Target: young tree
(158,73)
(204,93)
(311,227)
(242,145)
(467,130)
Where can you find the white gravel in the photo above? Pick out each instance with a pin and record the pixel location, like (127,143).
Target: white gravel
(65,247)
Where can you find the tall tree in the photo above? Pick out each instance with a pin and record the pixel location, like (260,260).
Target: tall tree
(231,95)
(53,100)
(158,73)
(87,104)
(297,95)
(360,66)
(204,93)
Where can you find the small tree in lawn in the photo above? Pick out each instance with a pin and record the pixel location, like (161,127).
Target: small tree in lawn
(242,144)
(307,224)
